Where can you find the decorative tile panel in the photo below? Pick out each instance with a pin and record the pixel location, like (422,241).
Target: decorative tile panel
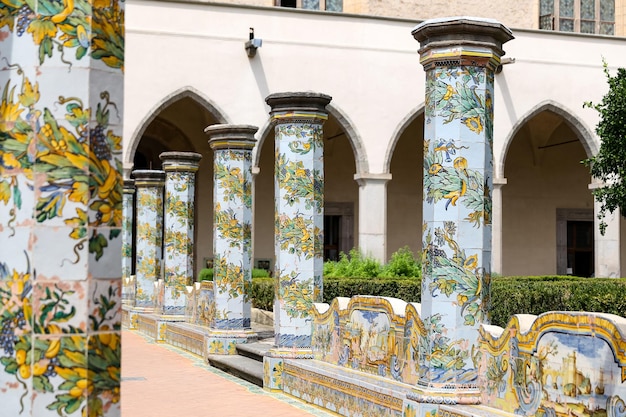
(60,203)
(180,175)
(299,214)
(232,238)
(149,237)
(458,167)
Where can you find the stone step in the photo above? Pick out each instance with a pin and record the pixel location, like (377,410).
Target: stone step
(255,350)
(242,367)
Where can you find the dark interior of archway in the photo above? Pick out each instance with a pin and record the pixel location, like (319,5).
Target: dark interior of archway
(180,127)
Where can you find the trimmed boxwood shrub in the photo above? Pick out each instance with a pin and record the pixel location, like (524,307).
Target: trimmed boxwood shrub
(206,274)
(509,295)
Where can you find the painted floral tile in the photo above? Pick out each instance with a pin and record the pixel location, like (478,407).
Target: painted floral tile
(59,306)
(104,305)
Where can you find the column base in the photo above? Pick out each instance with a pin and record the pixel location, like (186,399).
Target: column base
(224,342)
(130,315)
(155,325)
(273,365)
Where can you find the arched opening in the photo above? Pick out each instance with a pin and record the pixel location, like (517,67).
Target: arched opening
(404,191)
(547,208)
(178,125)
(340,193)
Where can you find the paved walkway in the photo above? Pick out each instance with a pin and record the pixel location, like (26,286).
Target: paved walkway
(159,380)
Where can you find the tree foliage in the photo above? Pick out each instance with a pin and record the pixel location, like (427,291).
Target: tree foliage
(609,165)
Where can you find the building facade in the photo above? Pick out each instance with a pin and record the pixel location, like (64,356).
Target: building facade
(187,68)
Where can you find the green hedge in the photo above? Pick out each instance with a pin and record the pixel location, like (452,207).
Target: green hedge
(206,274)
(509,295)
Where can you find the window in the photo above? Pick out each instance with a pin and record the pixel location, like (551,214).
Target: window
(584,16)
(328,5)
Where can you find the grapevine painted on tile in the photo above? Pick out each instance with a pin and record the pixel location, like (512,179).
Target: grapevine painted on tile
(458,273)
(82,164)
(87,371)
(89,29)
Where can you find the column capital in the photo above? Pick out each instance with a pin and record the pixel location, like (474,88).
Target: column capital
(149,177)
(462,40)
(363,179)
(180,161)
(499,182)
(225,136)
(298,106)
(129,186)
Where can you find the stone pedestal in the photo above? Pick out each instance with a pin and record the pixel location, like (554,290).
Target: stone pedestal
(232,235)
(299,227)
(180,184)
(459,56)
(149,236)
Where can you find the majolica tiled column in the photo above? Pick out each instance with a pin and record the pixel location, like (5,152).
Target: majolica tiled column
(232,235)
(128,214)
(61,207)
(459,56)
(299,224)
(149,237)
(180,184)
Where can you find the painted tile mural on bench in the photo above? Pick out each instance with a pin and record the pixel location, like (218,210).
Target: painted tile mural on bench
(233,239)
(565,364)
(299,225)
(368,335)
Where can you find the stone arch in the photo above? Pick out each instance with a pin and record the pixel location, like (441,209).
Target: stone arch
(400,128)
(578,126)
(185,92)
(354,138)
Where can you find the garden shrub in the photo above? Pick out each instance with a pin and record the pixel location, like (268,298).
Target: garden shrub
(509,295)
(354,265)
(206,274)
(402,264)
(262,293)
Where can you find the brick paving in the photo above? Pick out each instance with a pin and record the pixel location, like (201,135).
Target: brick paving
(159,380)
